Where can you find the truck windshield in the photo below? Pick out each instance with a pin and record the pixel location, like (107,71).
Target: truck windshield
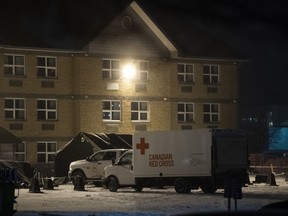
(126,159)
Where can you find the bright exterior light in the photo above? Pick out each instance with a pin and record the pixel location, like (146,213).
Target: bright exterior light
(129,71)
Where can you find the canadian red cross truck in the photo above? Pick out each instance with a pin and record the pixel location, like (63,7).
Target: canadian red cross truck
(187,159)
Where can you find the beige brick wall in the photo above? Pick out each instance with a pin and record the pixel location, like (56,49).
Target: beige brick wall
(80,90)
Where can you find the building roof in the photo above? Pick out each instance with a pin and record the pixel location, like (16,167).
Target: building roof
(55,24)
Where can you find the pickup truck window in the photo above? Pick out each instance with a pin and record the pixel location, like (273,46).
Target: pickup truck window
(110,156)
(97,157)
(126,159)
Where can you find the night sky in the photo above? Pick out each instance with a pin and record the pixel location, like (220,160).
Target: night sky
(257,28)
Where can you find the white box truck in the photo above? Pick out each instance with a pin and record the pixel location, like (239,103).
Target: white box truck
(186,159)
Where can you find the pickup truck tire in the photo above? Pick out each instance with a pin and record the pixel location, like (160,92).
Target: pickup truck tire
(80,174)
(182,186)
(113,184)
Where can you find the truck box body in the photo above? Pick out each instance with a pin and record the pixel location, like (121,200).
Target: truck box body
(172,153)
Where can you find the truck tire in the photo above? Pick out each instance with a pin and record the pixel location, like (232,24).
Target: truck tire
(182,186)
(138,188)
(113,184)
(208,188)
(80,174)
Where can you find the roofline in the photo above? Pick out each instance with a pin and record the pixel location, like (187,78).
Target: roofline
(173,50)
(41,49)
(243,60)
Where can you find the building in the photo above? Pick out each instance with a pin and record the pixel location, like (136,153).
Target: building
(132,76)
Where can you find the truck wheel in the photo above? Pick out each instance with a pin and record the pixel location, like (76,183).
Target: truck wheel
(182,186)
(113,184)
(80,175)
(138,188)
(208,189)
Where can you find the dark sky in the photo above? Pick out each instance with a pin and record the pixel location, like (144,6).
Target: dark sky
(257,28)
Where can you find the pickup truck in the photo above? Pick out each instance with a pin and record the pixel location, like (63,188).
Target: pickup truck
(91,169)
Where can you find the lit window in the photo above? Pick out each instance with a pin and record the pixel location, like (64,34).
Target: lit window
(139,111)
(46,67)
(47,109)
(15,108)
(185,112)
(211,112)
(111,110)
(185,73)
(14,65)
(210,74)
(46,152)
(135,70)
(110,69)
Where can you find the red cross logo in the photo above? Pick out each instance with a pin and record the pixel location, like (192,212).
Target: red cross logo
(142,146)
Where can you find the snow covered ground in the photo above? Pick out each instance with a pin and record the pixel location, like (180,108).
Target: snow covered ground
(64,200)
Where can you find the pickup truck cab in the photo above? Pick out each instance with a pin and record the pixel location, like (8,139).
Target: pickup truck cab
(124,168)
(91,169)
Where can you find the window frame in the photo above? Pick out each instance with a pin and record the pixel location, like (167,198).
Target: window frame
(110,71)
(47,153)
(111,112)
(46,67)
(14,65)
(184,113)
(20,152)
(211,75)
(140,72)
(211,114)
(185,73)
(14,109)
(140,112)
(47,110)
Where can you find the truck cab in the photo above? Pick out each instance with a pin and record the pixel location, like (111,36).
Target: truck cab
(120,174)
(91,169)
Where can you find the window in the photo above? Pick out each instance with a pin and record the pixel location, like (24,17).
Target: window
(15,108)
(211,74)
(211,112)
(47,109)
(126,159)
(185,73)
(142,70)
(46,67)
(111,110)
(110,69)
(46,152)
(185,112)
(139,111)
(20,152)
(14,65)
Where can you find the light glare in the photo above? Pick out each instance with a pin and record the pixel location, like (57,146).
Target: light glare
(129,71)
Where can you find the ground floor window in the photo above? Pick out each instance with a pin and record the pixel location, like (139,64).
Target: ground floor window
(20,152)
(46,151)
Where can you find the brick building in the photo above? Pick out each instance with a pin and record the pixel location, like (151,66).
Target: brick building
(49,95)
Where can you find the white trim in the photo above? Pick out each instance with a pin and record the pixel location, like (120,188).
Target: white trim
(155,29)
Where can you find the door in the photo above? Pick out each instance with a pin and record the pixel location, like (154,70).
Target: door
(99,161)
(125,170)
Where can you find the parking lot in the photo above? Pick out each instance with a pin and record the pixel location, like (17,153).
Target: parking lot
(165,201)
